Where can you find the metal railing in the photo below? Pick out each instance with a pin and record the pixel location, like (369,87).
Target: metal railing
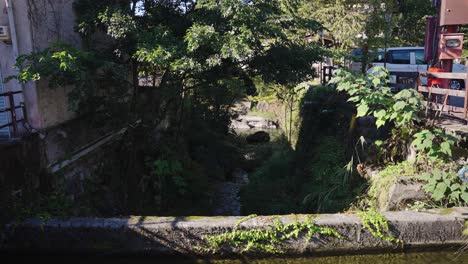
(327,74)
(456,111)
(14,121)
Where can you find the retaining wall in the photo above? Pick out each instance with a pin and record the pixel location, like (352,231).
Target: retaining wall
(428,230)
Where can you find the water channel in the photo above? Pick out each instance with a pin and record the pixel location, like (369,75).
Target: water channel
(444,257)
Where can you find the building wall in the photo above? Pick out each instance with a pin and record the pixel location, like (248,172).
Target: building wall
(52,21)
(39,22)
(7,56)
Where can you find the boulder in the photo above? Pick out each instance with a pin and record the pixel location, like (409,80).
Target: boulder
(242,107)
(253,122)
(258,137)
(403,193)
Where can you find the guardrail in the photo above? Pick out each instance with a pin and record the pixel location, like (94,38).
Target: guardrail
(456,111)
(12,110)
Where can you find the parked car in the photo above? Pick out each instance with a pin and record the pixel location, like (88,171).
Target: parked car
(354,59)
(404,65)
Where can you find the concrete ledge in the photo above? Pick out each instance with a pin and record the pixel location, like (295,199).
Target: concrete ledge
(184,235)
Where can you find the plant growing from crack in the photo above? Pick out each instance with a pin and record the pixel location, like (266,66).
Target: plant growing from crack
(269,239)
(377,225)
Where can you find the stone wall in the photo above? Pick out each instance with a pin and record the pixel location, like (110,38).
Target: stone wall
(430,230)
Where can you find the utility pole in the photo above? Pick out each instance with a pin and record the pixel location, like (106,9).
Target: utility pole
(387,19)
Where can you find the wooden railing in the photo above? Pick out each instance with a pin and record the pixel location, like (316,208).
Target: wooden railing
(12,110)
(460,112)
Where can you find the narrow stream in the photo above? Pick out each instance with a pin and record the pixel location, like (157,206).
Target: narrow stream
(226,197)
(408,258)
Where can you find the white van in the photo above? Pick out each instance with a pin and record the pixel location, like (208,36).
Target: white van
(404,65)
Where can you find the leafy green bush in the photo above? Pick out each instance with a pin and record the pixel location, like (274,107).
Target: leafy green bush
(446,188)
(378,192)
(327,185)
(372,97)
(435,144)
(402,111)
(271,188)
(312,177)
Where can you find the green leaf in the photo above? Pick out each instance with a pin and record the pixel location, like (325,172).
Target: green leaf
(376,82)
(380,122)
(437,175)
(399,105)
(432,181)
(455,196)
(378,143)
(380,113)
(426,144)
(439,192)
(446,148)
(362,110)
(455,186)
(464,196)
(426,176)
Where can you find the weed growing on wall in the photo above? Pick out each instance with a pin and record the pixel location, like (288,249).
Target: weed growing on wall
(377,224)
(269,239)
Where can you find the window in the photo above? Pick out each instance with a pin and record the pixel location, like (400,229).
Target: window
(356,55)
(419,54)
(378,56)
(399,57)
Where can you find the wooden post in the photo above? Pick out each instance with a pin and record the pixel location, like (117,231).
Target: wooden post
(323,74)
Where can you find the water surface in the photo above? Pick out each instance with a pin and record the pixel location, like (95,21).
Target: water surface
(410,258)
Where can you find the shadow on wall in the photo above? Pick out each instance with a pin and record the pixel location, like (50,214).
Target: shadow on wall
(20,171)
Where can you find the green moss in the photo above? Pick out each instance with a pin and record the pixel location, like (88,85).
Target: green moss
(193,217)
(404,168)
(380,185)
(465,230)
(447,211)
(238,223)
(266,115)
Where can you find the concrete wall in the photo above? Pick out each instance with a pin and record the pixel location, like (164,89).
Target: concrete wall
(430,230)
(39,22)
(59,132)
(51,21)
